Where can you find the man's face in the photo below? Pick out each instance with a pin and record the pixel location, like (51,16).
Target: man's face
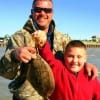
(42,16)
(75,58)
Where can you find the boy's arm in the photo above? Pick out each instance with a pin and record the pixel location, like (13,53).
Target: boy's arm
(45,51)
(40,38)
(47,54)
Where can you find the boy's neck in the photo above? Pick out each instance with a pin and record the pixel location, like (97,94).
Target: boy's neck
(76,74)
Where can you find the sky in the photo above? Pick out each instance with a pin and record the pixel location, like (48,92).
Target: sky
(78,18)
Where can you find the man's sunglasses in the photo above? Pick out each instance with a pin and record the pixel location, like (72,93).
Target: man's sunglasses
(46,10)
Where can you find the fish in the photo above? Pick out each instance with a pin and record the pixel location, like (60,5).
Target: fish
(37,78)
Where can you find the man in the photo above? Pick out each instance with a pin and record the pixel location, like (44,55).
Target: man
(20,46)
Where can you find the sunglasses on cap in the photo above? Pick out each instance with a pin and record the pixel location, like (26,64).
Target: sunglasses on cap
(46,10)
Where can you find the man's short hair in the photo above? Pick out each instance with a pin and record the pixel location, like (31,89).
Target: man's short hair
(39,0)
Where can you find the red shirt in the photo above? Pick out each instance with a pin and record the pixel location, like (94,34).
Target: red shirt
(67,85)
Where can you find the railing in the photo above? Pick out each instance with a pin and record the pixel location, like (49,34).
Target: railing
(92,44)
(2,44)
(99,74)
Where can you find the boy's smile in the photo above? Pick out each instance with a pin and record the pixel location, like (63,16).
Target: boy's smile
(75,57)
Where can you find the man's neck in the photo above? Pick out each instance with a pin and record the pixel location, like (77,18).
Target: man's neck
(46,30)
(41,28)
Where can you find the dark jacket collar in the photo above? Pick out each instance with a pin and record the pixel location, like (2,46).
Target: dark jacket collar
(30,25)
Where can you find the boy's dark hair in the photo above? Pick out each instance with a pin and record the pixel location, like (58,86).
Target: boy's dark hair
(75,43)
(39,0)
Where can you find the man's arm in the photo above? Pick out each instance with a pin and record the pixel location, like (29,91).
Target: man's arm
(9,64)
(91,70)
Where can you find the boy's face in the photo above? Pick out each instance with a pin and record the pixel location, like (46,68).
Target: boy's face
(74,58)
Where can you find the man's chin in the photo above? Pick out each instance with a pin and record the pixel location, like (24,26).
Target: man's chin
(42,26)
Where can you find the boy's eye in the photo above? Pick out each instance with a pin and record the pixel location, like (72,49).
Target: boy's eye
(71,56)
(79,56)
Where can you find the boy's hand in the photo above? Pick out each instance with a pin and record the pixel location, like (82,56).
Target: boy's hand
(40,38)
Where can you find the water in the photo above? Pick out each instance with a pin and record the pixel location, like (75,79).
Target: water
(93,57)
(4,92)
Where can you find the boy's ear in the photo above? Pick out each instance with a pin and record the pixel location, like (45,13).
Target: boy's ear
(85,58)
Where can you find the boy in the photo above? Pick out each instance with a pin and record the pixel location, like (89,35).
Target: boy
(71,80)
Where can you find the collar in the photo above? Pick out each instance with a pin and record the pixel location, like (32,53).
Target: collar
(31,26)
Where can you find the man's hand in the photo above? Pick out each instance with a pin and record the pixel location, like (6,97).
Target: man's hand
(40,37)
(91,70)
(25,54)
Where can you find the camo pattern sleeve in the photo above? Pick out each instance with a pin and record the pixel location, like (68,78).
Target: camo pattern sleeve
(9,67)
(60,41)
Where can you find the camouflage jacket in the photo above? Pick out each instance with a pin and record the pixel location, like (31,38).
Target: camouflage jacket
(10,68)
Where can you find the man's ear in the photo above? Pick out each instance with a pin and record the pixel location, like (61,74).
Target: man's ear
(31,11)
